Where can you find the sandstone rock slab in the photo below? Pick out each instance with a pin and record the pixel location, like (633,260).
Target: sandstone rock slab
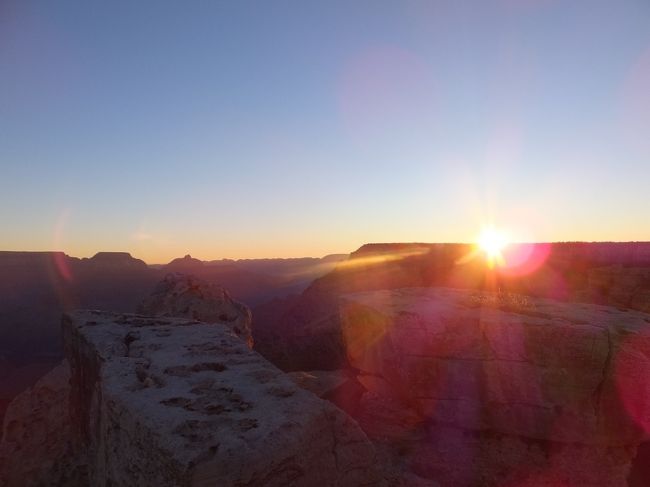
(163,401)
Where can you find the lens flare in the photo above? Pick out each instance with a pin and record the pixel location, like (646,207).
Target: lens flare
(492,242)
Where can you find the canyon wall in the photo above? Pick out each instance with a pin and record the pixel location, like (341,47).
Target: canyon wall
(501,389)
(303,332)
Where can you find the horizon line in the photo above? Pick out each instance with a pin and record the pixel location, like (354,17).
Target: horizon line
(323,256)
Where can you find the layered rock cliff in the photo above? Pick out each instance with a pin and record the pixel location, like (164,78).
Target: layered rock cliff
(303,333)
(501,389)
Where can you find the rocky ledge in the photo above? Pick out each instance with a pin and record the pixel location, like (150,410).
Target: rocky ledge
(175,402)
(500,389)
(186,296)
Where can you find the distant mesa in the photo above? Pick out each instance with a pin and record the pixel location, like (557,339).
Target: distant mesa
(390,248)
(115,260)
(19,258)
(186,263)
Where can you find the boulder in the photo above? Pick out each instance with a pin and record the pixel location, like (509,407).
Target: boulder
(184,296)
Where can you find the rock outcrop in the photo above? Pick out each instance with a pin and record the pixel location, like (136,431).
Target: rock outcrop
(320,382)
(338,386)
(36,288)
(303,333)
(36,446)
(184,296)
(619,286)
(175,402)
(483,389)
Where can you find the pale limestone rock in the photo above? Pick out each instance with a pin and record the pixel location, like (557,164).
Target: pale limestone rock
(185,296)
(174,402)
(163,401)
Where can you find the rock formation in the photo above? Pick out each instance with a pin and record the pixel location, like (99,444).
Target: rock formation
(454,387)
(185,265)
(175,402)
(619,286)
(303,333)
(36,446)
(320,382)
(37,287)
(487,389)
(338,386)
(186,296)
(115,261)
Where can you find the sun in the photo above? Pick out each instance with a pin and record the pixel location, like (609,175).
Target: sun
(492,242)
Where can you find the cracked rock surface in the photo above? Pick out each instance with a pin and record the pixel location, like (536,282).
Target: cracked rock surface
(560,390)
(173,402)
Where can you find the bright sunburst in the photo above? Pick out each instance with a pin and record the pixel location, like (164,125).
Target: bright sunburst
(492,242)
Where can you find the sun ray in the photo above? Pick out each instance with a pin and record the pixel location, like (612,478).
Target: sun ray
(492,242)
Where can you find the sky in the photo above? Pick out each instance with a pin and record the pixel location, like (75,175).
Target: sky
(239,129)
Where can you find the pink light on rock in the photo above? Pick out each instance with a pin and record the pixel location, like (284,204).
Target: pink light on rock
(524,258)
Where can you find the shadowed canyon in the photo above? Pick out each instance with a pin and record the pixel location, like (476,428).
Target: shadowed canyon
(400,364)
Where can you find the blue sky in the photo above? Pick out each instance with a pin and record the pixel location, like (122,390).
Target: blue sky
(288,128)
